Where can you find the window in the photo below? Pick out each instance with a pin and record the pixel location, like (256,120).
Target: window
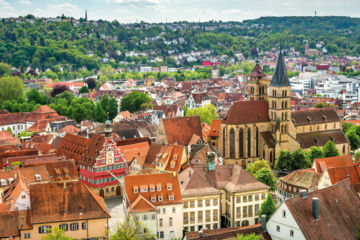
(245,211)
(215,215)
(160,198)
(250,211)
(277,228)
(215,226)
(64,227)
(215,202)
(238,212)
(207,202)
(44,229)
(192,217)
(185,204)
(161,234)
(160,222)
(153,216)
(3,182)
(171,197)
(250,198)
(23,196)
(262,196)
(208,213)
(74,226)
(170,222)
(173,210)
(192,229)
(200,216)
(192,204)
(257,209)
(244,199)
(284,214)
(164,210)
(26,235)
(145,217)
(84,225)
(291,233)
(186,218)
(200,203)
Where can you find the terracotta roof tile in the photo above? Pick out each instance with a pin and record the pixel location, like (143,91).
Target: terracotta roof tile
(247,112)
(303,178)
(70,129)
(314,116)
(339,212)
(319,139)
(214,129)
(180,130)
(322,164)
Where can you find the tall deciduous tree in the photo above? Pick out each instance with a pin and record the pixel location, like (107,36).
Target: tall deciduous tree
(91,83)
(130,230)
(268,207)
(110,106)
(11,88)
(330,149)
(35,96)
(207,113)
(266,176)
(4,69)
(59,88)
(284,161)
(252,168)
(132,102)
(315,152)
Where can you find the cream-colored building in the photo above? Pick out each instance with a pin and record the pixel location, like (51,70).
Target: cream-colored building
(218,196)
(262,127)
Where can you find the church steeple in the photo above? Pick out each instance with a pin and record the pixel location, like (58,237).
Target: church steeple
(85,15)
(280,77)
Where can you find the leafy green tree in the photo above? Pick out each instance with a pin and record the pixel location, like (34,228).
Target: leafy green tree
(268,207)
(319,105)
(266,176)
(315,152)
(252,168)
(25,134)
(251,236)
(146,106)
(357,155)
(35,96)
(330,149)
(83,89)
(109,105)
(4,69)
(353,138)
(81,109)
(299,160)
(12,88)
(130,230)
(9,130)
(207,113)
(100,114)
(284,161)
(56,234)
(346,126)
(132,102)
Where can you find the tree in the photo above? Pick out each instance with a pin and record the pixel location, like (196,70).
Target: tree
(81,109)
(346,126)
(299,160)
(132,102)
(91,83)
(146,106)
(207,113)
(284,161)
(9,130)
(4,69)
(353,138)
(35,96)
(266,176)
(25,134)
(315,152)
(252,168)
(59,88)
(83,89)
(251,236)
(100,114)
(130,230)
(357,234)
(56,234)
(109,105)
(319,105)
(267,208)
(11,88)
(330,149)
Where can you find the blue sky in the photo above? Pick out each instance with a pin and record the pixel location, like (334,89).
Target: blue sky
(175,10)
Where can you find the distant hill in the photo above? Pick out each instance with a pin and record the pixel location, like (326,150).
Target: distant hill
(43,43)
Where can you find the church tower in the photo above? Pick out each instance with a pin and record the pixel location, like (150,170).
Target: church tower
(85,15)
(257,84)
(279,103)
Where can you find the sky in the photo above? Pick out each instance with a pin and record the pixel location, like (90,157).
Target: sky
(129,11)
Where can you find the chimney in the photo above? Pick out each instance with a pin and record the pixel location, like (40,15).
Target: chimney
(315,208)
(303,193)
(263,223)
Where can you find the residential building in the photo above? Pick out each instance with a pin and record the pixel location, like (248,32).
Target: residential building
(197,100)
(157,197)
(261,129)
(329,213)
(214,133)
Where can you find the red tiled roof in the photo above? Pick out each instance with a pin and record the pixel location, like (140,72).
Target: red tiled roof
(314,116)
(247,112)
(257,72)
(322,164)
(136,150)
(180,130)
(341,173)
(214,129)
(339,212)
(156,180)
(70,129)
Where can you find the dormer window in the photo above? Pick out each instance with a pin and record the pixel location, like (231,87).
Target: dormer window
(158,187)
(160,198)
(169,186)
(175,156)
(143,188)
(3,182)
(37,177)
(171,196)
(10,180)
(152,187)
(136,189)
(153,199)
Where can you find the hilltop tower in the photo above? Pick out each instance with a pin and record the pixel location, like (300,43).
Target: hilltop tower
(279,103)
(85,15)
(257,84)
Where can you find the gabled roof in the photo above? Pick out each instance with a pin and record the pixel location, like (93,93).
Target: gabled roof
(319,139)
(179,130)
(339,212)
(141,204)
(70,129)
(303,178)
(257,72)
(136,150)
(11,223)
(341,173)
(44,109)
(65,202)
(247,112)
(280,77)
(322,164)
(314,116)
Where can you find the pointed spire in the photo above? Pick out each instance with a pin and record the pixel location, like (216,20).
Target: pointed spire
(280,77)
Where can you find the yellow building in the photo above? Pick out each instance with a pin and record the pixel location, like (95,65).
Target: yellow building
(216,196)
(262,127)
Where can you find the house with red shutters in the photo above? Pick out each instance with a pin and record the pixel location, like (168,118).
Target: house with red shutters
(96,157)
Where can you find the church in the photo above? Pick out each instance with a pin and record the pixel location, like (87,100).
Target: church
(264,125)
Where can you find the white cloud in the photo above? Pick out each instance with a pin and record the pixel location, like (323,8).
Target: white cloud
(6,10)
(136,3)
(25,2)
(57,9)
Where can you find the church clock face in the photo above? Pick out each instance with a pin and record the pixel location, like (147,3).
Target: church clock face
(110,157)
